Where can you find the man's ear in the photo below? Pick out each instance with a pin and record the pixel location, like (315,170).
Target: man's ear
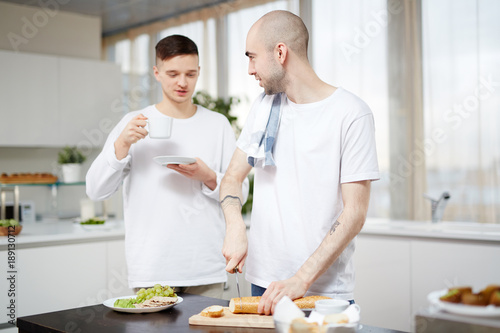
(156,73)
(281,52)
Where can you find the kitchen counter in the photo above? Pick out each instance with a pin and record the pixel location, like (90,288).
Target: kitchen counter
(60,232)
(98,318)
(443,230)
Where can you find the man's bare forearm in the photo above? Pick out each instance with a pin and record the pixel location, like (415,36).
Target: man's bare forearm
(230,193)
(329,250)
(231,199)
(341,233)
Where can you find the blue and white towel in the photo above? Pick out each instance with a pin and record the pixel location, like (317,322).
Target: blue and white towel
(263,133)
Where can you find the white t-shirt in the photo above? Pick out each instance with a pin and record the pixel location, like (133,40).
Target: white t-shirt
(318,147)
(174,226)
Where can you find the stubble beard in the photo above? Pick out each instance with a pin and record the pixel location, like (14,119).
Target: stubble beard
(277,81)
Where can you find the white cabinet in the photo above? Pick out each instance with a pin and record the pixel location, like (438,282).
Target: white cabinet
(58,277)
(394,274)
(441,265)
(383,281)
(53,278)
(88,90)
(117,281)
(28,99)
(55,101)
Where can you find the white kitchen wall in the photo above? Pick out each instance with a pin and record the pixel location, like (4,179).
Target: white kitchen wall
(48,30)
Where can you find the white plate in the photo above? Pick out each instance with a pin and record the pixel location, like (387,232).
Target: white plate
(462,309)
(110,302)
(165,160)
(108,225)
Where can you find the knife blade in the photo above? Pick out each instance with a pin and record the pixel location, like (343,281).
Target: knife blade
(238,286)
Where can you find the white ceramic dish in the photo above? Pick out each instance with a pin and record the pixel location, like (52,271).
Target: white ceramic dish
(462,309)
(110,302)
(282,327)
(96,227)
(166,160)
(108,225)
(352,313)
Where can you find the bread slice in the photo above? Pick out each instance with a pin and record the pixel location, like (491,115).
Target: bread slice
(336,318)
(495,298)
(474,299)
(156,301)
(214,311)
(300,325)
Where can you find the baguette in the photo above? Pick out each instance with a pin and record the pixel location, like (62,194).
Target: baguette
(251,304)
(308,302)
(248,304)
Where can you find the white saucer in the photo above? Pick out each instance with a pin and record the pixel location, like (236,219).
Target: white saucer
(166,160)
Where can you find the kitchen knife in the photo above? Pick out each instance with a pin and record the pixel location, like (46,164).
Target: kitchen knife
(238,286)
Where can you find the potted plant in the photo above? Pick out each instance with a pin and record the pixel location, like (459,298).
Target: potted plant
(224,106)
(219,105)
(71,159)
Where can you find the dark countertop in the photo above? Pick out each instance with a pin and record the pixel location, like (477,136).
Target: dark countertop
(98,318)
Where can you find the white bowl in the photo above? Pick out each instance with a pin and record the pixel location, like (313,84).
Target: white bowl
(282,327)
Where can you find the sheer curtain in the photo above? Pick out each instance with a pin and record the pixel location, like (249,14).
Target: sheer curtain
(461,63)
(240,84)
(350,50)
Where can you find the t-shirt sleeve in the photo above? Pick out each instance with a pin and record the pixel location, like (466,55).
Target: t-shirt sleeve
(359,153)
(106,173)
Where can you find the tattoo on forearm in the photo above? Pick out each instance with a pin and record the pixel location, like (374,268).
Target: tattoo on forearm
(231,200)
(334,226)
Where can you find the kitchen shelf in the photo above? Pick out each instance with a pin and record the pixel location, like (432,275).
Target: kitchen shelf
(53,204)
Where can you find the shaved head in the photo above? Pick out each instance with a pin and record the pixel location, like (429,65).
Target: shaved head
(281,26)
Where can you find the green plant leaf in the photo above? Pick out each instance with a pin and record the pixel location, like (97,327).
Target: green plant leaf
(70,155)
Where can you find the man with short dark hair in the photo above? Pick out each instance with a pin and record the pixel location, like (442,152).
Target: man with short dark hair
(313,149)
(173,223)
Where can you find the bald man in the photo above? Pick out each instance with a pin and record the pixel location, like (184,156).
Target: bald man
(312,189)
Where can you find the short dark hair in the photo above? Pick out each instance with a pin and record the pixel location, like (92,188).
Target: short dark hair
(175,45)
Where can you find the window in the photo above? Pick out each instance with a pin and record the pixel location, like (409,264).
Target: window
(457,127)
(349,49)
(240,84)
(461,58)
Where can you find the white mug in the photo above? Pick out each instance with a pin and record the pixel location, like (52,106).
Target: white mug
(160,127)
(329,306)
(87,209)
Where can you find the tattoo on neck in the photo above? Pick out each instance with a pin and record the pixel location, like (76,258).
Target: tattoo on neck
(231,200)
(334,226)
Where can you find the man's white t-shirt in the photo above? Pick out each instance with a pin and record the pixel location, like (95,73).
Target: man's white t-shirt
(174,226)
(318,147)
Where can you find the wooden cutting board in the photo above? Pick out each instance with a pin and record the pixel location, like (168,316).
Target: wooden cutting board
(234,320)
